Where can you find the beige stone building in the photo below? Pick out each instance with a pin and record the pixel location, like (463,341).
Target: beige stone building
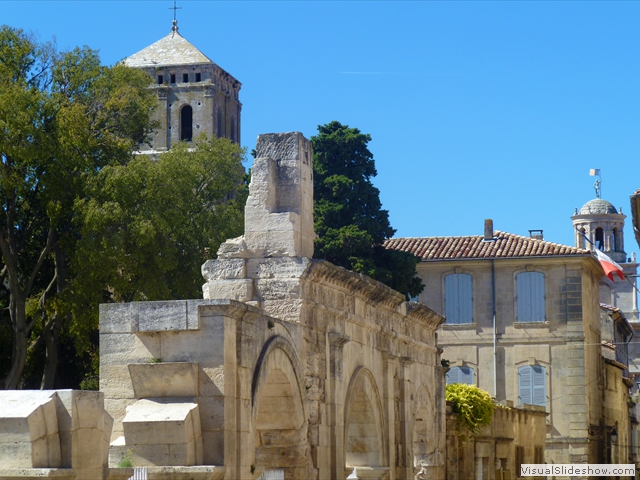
(195,95)
(523,322)
(616,419)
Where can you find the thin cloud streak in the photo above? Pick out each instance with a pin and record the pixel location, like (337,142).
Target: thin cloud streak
(402,73)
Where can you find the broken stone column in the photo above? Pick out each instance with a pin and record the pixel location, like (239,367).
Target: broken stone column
(265,264)
(162,432)
(279,211)
(61,433)
(29,430)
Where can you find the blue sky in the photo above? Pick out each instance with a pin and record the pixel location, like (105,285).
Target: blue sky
(477,109)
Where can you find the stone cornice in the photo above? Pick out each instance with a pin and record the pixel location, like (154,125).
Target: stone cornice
(369,289)
(422,313)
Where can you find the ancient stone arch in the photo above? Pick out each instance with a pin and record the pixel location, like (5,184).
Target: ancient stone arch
(278,410)
(363,420)
(423,423)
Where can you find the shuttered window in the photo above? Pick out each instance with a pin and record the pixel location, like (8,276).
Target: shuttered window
(532,385)
(531,297)
(458,298)
(460,375)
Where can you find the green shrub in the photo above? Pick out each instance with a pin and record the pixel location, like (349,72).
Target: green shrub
(473,406)
(90,383)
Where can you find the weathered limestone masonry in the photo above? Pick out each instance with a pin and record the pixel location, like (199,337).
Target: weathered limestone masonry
(287,363)
(515,436)
(61,434)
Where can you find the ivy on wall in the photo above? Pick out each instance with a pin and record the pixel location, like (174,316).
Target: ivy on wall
(473,405)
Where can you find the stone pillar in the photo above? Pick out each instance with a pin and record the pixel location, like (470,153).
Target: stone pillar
(335,400)
(389,395)
(405,419)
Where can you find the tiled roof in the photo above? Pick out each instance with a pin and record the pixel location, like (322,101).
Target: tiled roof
(505,245)
(173,49)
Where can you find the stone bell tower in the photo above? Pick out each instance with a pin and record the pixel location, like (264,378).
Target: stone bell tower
(603,226)
(195,95)
(599,221)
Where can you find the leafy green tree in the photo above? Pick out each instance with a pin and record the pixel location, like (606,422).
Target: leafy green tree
(350,224)
(63,117)
(148,226)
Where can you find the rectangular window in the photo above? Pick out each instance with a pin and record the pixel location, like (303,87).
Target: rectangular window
(198,78)
(458,298)
(160,79)
(538,455)
(531,297)
(519,459)
(185,78)
(460,375)
(532,385)
(173,78)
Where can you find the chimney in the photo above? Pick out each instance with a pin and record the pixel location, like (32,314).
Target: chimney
(537,234)
(488,230)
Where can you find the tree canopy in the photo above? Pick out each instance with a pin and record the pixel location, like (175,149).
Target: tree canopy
(148,226)
(349,221)
(84,219)
(63,117)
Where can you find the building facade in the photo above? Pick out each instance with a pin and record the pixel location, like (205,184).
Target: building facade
(523,323)
(195,95)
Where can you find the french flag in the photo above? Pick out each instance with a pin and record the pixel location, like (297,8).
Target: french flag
(608,265)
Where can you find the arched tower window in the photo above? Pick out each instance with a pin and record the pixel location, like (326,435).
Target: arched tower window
(599,239)
(614,240)
(186,123)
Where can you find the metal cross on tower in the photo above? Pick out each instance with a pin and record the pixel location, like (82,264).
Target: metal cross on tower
(174,27)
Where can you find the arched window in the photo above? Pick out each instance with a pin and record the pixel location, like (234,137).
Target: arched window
(458,298)
(614,240)
(599,239)
(186,123)
(460,375)
(530,288)
(582,242)
(532,385)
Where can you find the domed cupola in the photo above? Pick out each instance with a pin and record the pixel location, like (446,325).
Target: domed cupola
(599,221)
(597,206)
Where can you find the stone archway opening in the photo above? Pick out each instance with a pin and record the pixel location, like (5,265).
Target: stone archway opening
(363,429)
(280,429)
(424,434)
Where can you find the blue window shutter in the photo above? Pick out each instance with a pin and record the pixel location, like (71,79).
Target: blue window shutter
(539,385)
(460,375)
(453,375)
(524,385)
(531,302)
(466,375)
(458,298)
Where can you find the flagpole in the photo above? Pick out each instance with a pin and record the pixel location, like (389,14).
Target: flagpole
(592,244)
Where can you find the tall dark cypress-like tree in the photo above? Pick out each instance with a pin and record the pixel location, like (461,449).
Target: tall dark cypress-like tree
(349,220)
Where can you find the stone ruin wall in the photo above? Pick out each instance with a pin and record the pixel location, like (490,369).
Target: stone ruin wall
(287,363)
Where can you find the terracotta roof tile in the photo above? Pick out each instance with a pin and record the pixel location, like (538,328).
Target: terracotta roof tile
(505,245)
